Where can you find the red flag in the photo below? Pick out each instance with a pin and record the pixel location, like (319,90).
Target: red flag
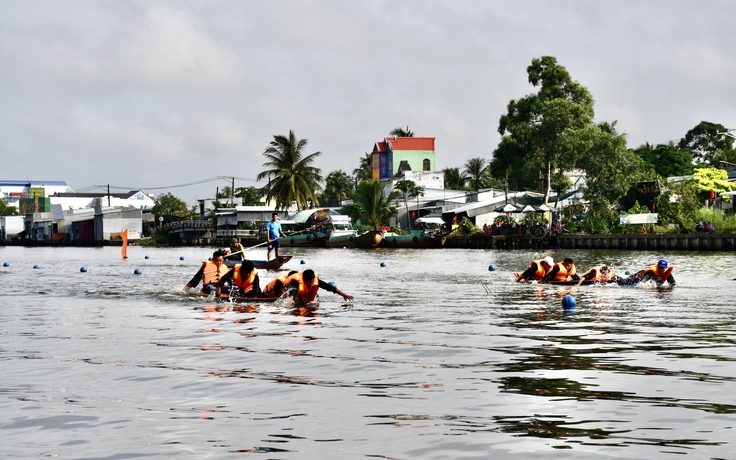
(124,250)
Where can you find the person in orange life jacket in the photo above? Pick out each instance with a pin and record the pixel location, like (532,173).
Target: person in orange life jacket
(275,287)
(303,287)
(660,273)
(562,271)
(210,273)
(602,273)
(537,269)
(241,281)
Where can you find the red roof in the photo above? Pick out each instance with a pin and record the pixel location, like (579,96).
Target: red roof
(405,143)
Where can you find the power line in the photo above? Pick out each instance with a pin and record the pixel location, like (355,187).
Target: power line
(188,184)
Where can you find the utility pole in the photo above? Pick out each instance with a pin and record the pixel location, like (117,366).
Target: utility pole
(108,195)
(232,192)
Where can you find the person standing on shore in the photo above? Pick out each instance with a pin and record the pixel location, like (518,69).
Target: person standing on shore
(273,234)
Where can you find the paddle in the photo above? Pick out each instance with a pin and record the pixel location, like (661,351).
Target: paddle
(266,242)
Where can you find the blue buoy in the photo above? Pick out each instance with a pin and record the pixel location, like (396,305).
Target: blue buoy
(383,264)
(125,257)
(491,268)
(137,271)
(147,257)
(303,262)
(181,258)
(6,264)
(333,284)
(83,269)
(36,267)
(627,273)
(568,302)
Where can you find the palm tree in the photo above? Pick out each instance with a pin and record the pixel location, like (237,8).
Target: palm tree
(401,132)
(370,205)
(338,186)
(408,188)
(292,178)
(454,179)
(477,173)
(364,170)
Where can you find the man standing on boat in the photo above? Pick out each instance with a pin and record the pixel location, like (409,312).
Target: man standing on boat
(273,233)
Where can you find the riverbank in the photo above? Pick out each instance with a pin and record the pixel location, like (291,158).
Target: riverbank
(689,242)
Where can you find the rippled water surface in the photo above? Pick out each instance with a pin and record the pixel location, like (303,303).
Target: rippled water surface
(437,358)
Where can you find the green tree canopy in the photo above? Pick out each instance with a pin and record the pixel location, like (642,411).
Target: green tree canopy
(370,205)
(251,196)
(170,208)
(610,168)
(408,188)
(710,182)
(291,177)
(454,179)
(666,160)
(7,210)
(401,132)
(536,122)
(364,169)
(477,173)
(338,186)
(706,141)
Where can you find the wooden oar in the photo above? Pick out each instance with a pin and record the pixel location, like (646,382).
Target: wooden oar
(266,242)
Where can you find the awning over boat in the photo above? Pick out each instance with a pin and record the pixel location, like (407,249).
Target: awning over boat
(313,216)
(430,220)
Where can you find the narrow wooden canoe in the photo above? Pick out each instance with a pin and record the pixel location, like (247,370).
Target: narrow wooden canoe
(273,264)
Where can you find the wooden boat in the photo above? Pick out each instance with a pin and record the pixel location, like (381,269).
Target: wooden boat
(273,264)
(369,239)
(415,239)
(340,231)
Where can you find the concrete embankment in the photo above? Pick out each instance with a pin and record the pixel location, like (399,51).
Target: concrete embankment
(685,242)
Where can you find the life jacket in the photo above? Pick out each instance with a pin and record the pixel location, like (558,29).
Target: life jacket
(600,276)
(304,293)
(211,273)
(270,289)
(540,270)
(660,277)
(563,274)
(244,284)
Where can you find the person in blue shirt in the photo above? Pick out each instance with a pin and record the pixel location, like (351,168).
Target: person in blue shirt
(273,233)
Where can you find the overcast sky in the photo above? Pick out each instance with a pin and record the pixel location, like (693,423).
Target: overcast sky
(147,94)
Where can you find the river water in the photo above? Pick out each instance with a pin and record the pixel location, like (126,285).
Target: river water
(436,358)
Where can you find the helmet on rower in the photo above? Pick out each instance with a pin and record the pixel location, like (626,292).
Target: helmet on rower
(662,263)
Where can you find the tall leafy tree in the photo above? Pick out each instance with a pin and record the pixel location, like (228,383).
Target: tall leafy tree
(711,182)
(477,172)
(338,186)
(610,168)
(408,188)
(454,179)
(251,196)
(370,205)
(7,210)
(706,141)
(170,207)
(401,132)
(666,160)
(291,177)
(536,122)
(364,169)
